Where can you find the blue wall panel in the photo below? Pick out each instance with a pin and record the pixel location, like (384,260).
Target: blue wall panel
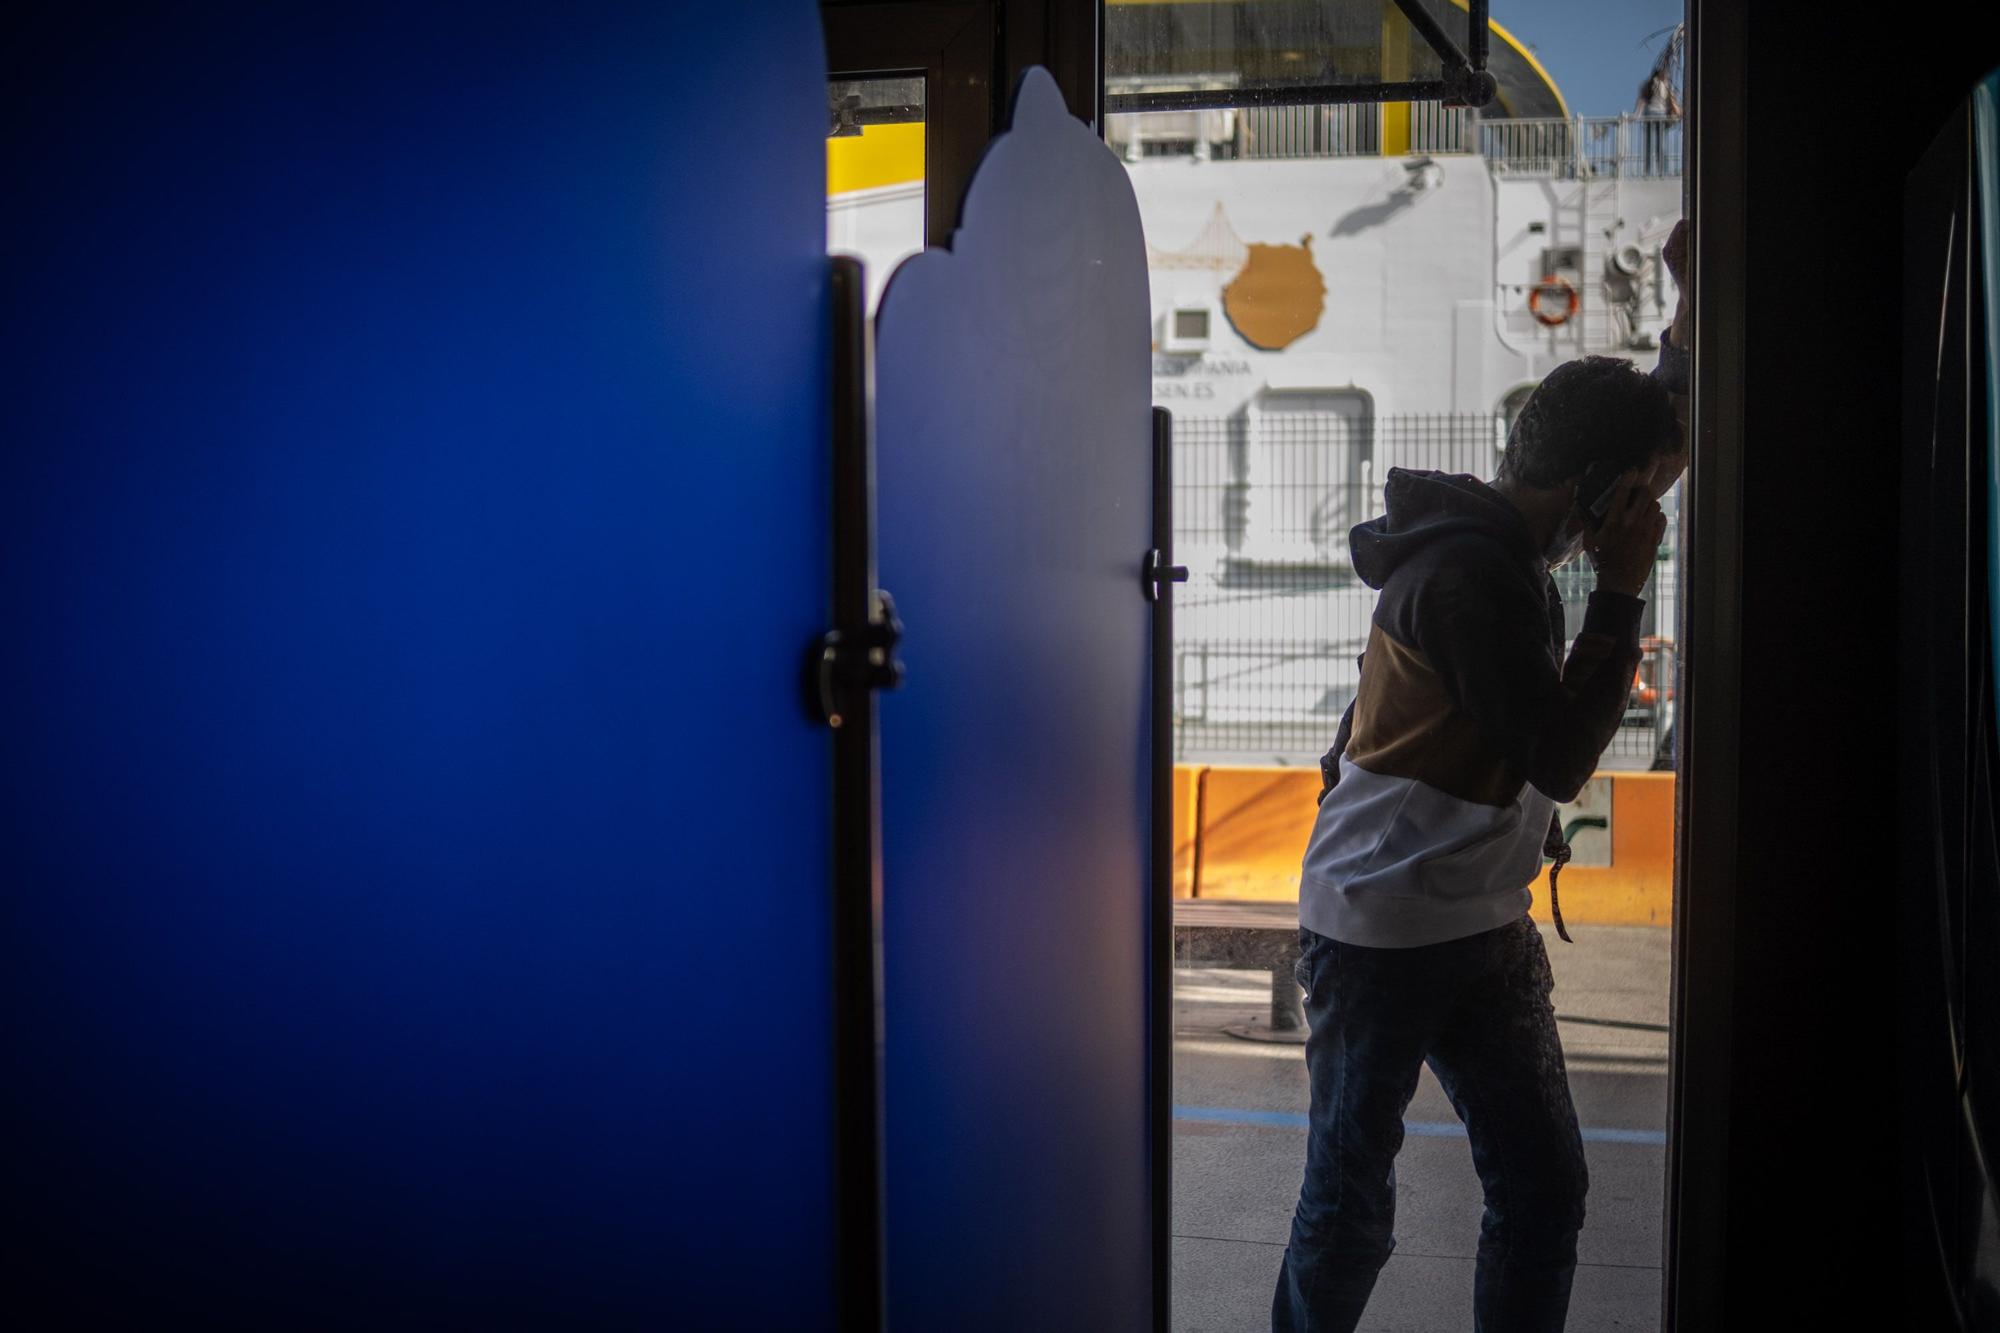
(1014,466)
(412,514)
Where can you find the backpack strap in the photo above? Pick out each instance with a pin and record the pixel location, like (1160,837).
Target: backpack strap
(1556,846)
(1329,763)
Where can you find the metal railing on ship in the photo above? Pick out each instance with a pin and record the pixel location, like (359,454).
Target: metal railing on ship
(1577,148)
(1309,131)
(1584,147)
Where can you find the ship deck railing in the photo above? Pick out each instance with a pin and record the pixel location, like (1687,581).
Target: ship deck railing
(1563,148)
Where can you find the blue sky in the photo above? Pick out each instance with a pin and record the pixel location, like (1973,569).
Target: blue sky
(1594,49)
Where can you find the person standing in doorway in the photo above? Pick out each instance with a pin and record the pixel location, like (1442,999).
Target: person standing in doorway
(1438,802)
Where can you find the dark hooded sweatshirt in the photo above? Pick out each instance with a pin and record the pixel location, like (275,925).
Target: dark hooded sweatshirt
(1468,727)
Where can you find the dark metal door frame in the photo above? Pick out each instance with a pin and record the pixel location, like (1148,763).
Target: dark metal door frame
(950,43)
(1160,575)
(971,53)
(1711,689)
(1943,691)
(856,657)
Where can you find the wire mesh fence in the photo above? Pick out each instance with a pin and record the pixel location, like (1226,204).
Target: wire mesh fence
(1270,627)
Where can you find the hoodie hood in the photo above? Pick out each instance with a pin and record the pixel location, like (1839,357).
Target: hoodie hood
(1425,507)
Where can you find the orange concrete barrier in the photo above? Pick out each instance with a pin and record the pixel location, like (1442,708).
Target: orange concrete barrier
(1187,816)
(1637,888)
(1252,831)
(1240,832)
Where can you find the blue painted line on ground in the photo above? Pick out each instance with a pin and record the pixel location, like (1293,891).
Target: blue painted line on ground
(1421,1129)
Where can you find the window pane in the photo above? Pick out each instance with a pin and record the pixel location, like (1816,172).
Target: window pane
(1267,43)
(875,173)
(1338,291)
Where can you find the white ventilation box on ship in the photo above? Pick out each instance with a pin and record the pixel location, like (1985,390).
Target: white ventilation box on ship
(1187,329)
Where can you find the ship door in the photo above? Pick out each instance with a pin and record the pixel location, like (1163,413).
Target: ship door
(1308,473)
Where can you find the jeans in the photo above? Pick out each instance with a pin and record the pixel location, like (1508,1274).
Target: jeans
(1656,147)
(1477,1010)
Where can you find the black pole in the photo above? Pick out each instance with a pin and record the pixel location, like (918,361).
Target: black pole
(857,828)
(1433,32)
(1161,899)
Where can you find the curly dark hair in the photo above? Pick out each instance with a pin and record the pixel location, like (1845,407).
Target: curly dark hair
(1598,409)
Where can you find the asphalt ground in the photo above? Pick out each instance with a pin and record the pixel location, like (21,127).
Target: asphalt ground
(1239,1148)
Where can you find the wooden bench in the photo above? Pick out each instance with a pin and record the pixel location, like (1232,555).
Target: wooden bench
(1224,933)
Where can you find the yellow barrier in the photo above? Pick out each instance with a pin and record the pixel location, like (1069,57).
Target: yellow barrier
(1637,888)
(1187,816)
(1251,832)
(1239,833)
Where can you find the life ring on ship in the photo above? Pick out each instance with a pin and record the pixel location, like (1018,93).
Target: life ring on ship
(1552,289)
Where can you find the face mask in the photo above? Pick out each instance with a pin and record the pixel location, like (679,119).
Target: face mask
(1567,543)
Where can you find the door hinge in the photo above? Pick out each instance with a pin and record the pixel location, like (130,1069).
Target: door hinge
(850,663)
